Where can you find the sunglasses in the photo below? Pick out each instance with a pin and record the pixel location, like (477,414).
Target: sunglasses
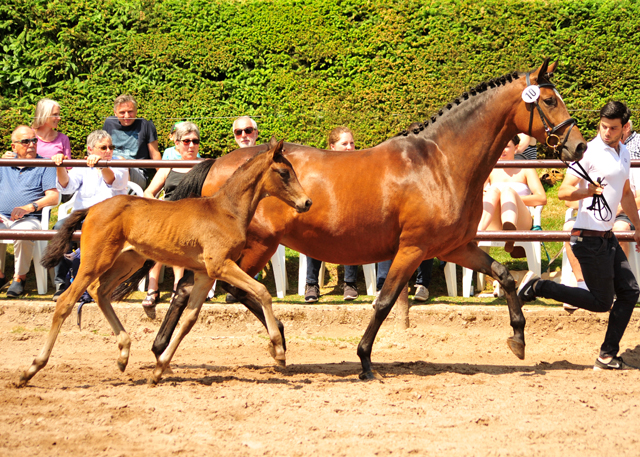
(248,131)
(104,148)
(26,141)
(187,142)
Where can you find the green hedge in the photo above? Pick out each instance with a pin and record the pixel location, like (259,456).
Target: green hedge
(302,67)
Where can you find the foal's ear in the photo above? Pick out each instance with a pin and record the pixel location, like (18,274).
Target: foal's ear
(273,142)
(277,150)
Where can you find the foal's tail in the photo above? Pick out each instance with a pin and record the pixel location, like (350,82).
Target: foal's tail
(191,184)
(131,283)
(59,244)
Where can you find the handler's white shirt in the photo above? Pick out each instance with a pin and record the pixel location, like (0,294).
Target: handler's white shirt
(92,188)
(602,161)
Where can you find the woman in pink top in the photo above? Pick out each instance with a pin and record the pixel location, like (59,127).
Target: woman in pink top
(45,123)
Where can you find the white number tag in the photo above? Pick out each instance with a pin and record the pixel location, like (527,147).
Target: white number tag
(530,94)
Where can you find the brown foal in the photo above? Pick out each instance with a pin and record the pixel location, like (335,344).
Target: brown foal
(205,235)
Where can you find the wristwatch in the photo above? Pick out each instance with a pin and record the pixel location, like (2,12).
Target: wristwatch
(35,206)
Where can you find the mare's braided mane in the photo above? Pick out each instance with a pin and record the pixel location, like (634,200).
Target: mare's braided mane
(472,92)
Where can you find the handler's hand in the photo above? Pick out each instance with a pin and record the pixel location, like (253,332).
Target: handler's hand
(595,190)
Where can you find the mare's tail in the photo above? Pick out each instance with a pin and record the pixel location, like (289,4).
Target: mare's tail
(131,283)
(59,244)
(191,184)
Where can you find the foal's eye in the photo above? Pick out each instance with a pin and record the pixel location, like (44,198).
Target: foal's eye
(551,101)
(284,174)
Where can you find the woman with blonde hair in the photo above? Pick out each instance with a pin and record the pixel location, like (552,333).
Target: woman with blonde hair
(45,122)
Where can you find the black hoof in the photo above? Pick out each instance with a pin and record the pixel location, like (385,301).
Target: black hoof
(370,376)
(516,346)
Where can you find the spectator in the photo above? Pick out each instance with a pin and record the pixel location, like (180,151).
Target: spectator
(171,152)
(526,148)
(607,274)
(24,191)
(133,137)
(187,140)
(245,131)
(91,185)
(508,194)
(340,139)
(631,140)
(45,123)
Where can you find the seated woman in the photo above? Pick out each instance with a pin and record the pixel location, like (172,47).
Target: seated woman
(92,185)
(508,194)
(187,140)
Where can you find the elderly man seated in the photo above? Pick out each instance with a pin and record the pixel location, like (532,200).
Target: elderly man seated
(24,191)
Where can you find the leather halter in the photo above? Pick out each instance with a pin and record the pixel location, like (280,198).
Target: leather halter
(553,140)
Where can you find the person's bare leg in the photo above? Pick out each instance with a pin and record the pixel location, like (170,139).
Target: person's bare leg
(490,202)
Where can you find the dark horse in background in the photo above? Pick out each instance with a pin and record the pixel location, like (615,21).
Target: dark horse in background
(412,197)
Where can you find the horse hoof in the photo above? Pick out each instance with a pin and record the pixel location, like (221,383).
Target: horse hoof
(22,381)
(517,347)
(280,360)
(370,376)
(122,365)
(153,381)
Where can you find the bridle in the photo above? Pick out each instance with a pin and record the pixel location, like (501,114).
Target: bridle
(553,140)
(599,205)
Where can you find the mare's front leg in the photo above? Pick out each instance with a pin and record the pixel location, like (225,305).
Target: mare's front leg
(404,264)
(255,292)
(472,257)
(201,287)
(176,308)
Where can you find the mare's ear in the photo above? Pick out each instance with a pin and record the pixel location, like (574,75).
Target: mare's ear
(551,69)
(542,71)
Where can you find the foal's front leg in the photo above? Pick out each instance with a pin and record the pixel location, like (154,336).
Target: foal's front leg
(471,256)
(201,287)
(258,293)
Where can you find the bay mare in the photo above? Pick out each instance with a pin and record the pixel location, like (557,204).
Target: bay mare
(412,197)
(205,235)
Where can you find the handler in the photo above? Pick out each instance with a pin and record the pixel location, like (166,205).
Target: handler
(604,265)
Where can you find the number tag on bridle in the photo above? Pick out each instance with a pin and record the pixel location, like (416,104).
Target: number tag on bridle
(531,94)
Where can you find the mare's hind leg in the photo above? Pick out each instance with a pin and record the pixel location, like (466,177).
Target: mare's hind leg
(404,264)
(471,256)
(202,285)
(91,268)
(127,263)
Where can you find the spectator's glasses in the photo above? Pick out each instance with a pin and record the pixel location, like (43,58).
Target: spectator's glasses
(196,142)
(104,148)
(26,141)
(248,131)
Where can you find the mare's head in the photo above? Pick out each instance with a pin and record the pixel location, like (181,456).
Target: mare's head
(281,180)
(544,115)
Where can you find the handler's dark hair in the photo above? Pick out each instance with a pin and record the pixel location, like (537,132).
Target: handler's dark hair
(616,110)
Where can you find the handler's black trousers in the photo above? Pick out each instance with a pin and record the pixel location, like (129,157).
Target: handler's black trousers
(606,272)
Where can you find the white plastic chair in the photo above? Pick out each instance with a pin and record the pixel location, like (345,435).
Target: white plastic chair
(369,276)
(38,252)
(531,248)
(567,277)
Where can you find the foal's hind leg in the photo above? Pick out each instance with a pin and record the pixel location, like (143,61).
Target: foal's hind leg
(202,285)
(127,263)
(471,256)
(92,268)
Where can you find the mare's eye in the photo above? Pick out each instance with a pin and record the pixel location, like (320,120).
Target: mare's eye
(551,101)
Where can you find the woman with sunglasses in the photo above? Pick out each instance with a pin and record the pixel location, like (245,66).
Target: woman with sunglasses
(187,140)
(45,122)
(91,185)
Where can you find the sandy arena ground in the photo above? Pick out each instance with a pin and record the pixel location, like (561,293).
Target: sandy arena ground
(450,386)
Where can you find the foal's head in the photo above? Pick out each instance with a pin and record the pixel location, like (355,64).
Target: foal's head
(281,180)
